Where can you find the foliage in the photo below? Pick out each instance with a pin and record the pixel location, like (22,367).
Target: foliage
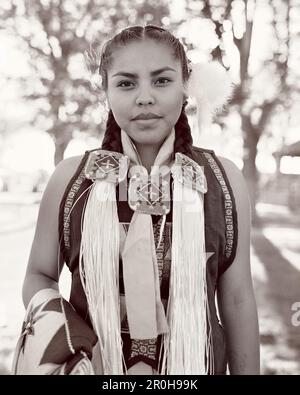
(56,33)
(263,63)
(259,61)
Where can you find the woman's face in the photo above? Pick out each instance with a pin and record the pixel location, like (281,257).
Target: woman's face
(145,81)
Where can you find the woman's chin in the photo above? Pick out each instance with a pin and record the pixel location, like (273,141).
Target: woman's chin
(150,138)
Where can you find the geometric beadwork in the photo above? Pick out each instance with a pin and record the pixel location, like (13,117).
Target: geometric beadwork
(189,173)
(106,165)
(149,194)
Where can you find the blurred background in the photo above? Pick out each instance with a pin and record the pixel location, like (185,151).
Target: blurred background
(50,111)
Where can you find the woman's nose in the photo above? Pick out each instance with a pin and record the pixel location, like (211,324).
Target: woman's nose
(144,102)
(145,97)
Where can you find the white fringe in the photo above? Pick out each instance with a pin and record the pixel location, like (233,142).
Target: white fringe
(161,231)
(188,345)
(99,271)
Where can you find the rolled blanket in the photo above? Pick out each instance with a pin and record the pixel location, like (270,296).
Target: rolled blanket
(54,338)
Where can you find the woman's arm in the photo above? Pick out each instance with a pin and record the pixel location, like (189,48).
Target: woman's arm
(236,301)
(45,264)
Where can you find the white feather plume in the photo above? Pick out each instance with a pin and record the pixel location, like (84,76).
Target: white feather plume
(211,88)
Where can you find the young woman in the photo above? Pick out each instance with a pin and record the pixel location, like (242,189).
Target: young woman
(151,227)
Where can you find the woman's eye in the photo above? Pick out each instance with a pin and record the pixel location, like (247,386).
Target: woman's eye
(125,84)
(163,81)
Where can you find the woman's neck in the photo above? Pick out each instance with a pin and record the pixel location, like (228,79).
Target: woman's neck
(147,154)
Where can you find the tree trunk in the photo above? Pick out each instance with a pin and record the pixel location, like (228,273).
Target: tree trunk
(60,148)
(249,170)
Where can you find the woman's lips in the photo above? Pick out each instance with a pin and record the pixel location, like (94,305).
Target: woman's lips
(145,116)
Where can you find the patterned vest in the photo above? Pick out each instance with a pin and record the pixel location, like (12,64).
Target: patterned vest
(221,241)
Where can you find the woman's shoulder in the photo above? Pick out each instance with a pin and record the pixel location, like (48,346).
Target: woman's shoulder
(233,173)
(237,182)
(67,168)
(231,169)
(69,164)
(62,175)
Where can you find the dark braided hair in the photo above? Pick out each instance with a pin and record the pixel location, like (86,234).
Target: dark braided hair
(112,137)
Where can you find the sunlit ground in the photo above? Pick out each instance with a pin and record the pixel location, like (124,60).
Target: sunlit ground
(276,273)
(275,267)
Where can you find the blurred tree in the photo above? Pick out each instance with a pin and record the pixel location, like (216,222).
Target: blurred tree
(56,33)
(263,83)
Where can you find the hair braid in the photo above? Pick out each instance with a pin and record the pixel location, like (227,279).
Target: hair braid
(112,135)
(183,136)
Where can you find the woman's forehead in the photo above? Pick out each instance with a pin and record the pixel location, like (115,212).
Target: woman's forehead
(141,55)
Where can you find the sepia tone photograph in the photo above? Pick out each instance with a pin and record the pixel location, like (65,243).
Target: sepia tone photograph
(150,187)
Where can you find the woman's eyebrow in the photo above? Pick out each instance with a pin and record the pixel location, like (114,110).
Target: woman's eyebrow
(156,72)
(153,73)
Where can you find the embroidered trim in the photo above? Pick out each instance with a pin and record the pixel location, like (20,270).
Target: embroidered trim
(228,204)
(68,206)
(145,348)
(159,251)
